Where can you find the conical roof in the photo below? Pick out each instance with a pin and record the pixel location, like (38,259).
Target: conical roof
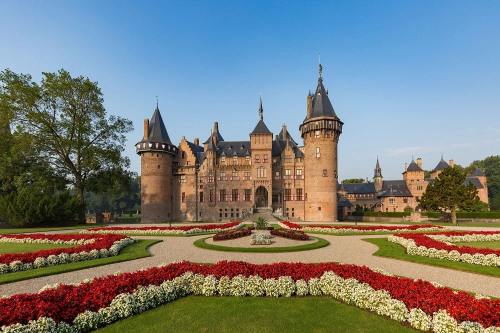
(477,173)
(441,165)
(378,170)
(157,131)
(261,127)
(321,104)
(413,167)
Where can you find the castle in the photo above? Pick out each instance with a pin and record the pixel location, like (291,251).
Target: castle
(399,195)
(221,179)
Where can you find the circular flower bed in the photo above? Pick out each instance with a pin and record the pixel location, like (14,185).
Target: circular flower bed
(275,246)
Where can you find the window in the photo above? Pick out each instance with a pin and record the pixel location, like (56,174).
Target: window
(405,200)
(325,173)
(288,172)
(257,158)
(261,172)
(248,194)
(247,175)
(298,173)
(317,134)
(247,159)
(264,159)
(288,194)
(420,187)
(211,196)
(277,175)
(392,201)
(235,175)
(318,154)
(210,179)
(158,166)
(298,194)
(234,195)
(319,208)
(222,195)
(183,197)
(182,179)
(183,155)
(201,196)
(222,175)
(235,160)
(223,160)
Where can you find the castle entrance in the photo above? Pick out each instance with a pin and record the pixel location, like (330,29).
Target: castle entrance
(261,197)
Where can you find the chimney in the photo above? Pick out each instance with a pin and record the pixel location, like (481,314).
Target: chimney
(309,106)
(146,129)
(406,166)
(451,163)
(197,141)
(216,127)
(419,162)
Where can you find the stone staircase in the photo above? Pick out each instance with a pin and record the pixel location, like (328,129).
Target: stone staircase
(266,213)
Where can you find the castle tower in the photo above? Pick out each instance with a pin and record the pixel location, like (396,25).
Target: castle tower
(261,143)
(157,153)
(320,130)
(378,180)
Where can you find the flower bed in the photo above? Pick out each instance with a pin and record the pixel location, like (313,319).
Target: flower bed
(232,234)
(99,302)
(176,230)
(337,229)
(85,247)
(290,234)
(261,239)
(441,246)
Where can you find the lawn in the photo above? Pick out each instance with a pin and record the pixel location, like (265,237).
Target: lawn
(484,245)
(136,250)
(256,314)
(261,248)
(26,247)
(391,250)
(494,223)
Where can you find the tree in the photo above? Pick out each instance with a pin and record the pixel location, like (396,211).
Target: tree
(353,181)
(68,122)
(491,168)
(450,192)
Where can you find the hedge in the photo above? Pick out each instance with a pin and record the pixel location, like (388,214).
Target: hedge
(382,214)
(468,215)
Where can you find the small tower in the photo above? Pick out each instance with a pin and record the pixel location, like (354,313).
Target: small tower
(320,130)
(439,168)
(378,180)
(261,143)
(157,154)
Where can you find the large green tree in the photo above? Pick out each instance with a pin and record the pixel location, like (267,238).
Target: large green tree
(491,168)
(68,124)
(450,192)
(353,181)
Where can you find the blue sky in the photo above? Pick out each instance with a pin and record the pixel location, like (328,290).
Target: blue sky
(407,77)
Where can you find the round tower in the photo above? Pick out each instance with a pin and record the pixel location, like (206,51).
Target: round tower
(320,130)
(157,154)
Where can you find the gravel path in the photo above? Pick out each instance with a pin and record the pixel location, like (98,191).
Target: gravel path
(346,249)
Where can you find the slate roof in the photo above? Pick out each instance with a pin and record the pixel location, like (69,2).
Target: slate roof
(394,188)
(280,141)
(321,105)
(261,128)
(197,151)
(413,167)
(359,188)
(477,173)
(441,165)
(233,148)
(344,202)
(157,131)
(474,181)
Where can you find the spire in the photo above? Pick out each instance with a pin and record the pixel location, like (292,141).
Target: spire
(157,103)
(261,109)
(157,130)
(320,72)
(378,170)
(320,104)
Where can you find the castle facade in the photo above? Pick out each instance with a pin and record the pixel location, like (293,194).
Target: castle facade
(220,179)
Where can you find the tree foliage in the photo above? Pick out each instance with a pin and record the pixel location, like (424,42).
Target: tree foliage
(491,168)
(68,126)
(353,181)
(450,192)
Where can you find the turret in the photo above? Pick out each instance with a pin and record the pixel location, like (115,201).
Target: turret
(157,153)
(320,130)
(378,180)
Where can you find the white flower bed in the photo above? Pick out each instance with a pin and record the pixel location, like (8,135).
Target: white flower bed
(476,259)
(7,239)
(160,232)
(349,291)
(261,239)
(349,230)
(64,258)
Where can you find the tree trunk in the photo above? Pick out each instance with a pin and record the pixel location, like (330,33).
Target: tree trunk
(454,215)
(81,202)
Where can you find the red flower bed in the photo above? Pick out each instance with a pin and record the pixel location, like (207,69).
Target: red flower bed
(66,301)
(205,227)
(232,234)
(425,240)
(360,228)
(100,242)
(291,234)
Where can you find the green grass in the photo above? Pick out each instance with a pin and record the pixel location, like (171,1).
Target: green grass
(256,314)
(492,224)
(6,231)
(262,248)
(26,247)
(395,251)
(139,249)
(484,245)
